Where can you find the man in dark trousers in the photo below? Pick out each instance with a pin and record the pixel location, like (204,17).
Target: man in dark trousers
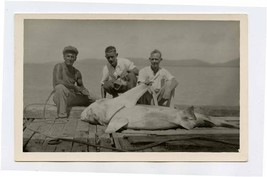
(119,74)
(68,85)
(163,82)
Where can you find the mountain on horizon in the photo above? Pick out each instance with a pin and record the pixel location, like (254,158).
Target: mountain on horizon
(165,62)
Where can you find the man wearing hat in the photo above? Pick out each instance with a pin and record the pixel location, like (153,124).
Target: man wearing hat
(119,74)
(68,85)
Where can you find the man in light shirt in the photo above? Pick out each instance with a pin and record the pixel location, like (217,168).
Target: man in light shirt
(119,74)
(163,82)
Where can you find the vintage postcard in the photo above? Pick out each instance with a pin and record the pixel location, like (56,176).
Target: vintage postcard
(131,87)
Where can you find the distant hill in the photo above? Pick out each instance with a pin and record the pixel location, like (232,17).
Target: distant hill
(145,62)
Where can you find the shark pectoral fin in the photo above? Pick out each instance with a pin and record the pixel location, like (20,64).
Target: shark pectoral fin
(112,110)
(115,124)
(209,123)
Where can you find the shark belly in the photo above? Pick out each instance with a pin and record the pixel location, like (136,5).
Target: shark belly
(143,117)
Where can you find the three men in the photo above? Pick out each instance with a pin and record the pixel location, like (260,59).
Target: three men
(68,85)
(163,83)
(119,75)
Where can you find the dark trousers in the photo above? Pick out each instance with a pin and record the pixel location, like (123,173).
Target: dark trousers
(64,98)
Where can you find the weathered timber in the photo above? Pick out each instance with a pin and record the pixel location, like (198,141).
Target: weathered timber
(82,133)
(92,137)
(56,131)
(37,111)
(115,137)
(68,131)
(35,144)
(125,144)
(196,131)
(200,146)
(78,147)
(103,138)
(29,132)
(26,122)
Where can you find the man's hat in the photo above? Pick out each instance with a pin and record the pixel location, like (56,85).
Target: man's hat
(70,49)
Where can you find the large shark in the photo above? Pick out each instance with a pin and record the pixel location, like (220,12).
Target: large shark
(122,113)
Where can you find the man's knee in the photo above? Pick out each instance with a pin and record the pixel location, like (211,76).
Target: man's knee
(107,85)
(132,80)
(60,88)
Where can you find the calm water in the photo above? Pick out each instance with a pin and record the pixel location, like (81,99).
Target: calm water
(197,85)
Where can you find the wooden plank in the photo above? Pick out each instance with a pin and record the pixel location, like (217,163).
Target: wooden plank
(78,147)
(92,137)
(37,111)
(159,148)
(82,126)
(104,139)
(155,138)
(199,146)
(82,134)
(56,131)
(125,144)
(36,142)
(28,132)
(26,122)
(69,130)
(196,131)
(116,137)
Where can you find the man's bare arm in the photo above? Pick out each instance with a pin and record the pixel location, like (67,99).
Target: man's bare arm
(80,87)
(174,84)
(58,78)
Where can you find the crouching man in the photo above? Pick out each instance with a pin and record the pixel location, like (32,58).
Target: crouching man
(163,83)
(119,74)
(68,85)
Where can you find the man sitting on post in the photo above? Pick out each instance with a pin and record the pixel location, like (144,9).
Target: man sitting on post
(163,83)
(68,85)
(119,74)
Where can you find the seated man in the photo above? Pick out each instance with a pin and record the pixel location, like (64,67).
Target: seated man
(65,76)
(119,74)
(163,83)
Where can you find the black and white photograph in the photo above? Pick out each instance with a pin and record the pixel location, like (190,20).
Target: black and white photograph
(131,87)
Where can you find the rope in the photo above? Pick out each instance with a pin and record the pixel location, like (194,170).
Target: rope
(57,139)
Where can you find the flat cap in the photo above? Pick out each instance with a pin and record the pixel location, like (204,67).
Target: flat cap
(70,49)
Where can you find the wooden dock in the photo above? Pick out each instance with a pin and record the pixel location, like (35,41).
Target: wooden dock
(48,134)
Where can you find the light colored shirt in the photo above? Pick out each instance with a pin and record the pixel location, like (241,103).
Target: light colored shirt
(147,74)
(109,72)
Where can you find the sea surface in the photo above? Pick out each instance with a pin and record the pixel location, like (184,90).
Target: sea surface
(212,86)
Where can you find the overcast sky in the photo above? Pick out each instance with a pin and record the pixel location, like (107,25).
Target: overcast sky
(210,41)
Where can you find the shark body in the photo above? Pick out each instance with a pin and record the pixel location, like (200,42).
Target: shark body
(122,113)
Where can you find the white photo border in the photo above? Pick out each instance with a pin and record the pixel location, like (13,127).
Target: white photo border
(130,156)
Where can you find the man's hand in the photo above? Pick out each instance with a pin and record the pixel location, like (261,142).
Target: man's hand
(164,94)
(85,92)
(81,90)
(124,75)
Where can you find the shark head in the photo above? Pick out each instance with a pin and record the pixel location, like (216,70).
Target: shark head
(95,113)
(188,118)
